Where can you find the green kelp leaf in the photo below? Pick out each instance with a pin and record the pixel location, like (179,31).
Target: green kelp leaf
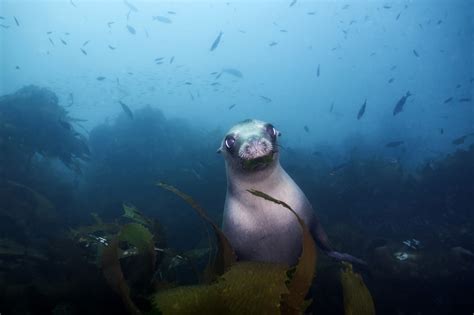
(357,298)
(113,274)
(246,288)
(134,214)
(225,254)
(301,278)
(137,235)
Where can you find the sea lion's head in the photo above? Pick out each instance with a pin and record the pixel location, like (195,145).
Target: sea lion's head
(250,146)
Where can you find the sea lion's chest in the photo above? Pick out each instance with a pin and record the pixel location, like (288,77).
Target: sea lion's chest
(260,230)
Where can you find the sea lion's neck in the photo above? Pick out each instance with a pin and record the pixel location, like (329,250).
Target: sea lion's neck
(240,180)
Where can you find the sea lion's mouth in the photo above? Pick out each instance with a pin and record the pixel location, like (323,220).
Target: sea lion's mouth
(258,163)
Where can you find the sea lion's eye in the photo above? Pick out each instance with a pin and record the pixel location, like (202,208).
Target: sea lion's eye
(271,130)
(229,142)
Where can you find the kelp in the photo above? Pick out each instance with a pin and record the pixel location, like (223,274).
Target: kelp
(246,288)
(357,298)
(301,278)
(132,213)
(225,256)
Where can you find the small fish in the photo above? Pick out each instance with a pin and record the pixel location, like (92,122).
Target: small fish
(72,3)
(188,83)
(218,75)
(273,43)
(393,144)
(399,106)
(391,80)
(318,71)
(213,73)
(415,53)
(191,95)
(293,3)
(231,106)
(464,100)
(63,41)
(100,78)
(159,58)
(83,51)
(2,18)
(51,41)
(131,29)
(387,6)
(266,99)
(49,33)
(109,24)
(439,22)
(461,139)
(4,26)
(215,83)
(85,43)
(345,7)
(311,13)
(112,47)
(17,67)
(331,108)
(216,42)
(130,6)
(398,16)
(162,19)
(283,31)
(441,130)
(362,110)
(171,12)
(171,60)
(159,63)
(16,21)
(306,128)
(458,86)
(236,73)
(393,68)
(446,101)
(126,109)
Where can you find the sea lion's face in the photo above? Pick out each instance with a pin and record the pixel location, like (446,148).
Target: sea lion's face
(250,146)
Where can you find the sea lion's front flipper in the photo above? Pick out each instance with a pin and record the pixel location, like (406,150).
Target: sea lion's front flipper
(346,257)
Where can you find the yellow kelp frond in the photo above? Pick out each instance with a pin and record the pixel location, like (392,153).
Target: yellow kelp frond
(357,298)
(225,254)
(132,213)
(247,288)
(301,278)
(113,274)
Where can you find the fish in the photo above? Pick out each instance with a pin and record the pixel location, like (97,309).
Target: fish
(393,68)
(441,130)
(83,51)
(130,6)
(311,13)
(345,7)
(109,24)
(439,22)
(51,41)
(63,41)
(293,3)
(171,12)
(131,29)
(387,6)
(162,19)
(16,21)
(72,3)
(306,128)
(339,167)
(215,83)
(449,99)
(100,78)
(159,59)
(191,95)
(2,18)
(85,43)
(273,43)
(331,108)
(126,109)
(318,71)
(218,75)
(391,80)
(216,42)
(398,16)
(4,26)
(399,106)
(393,144)
(171,60)
(17,67)
(464,100)
(458,86)
(231,106)
(362,110)
(146,33)
(461,139)
(159,63)
(415,53)
(266,99)
(112,47)
(236,73)
(188,83)
(283,31)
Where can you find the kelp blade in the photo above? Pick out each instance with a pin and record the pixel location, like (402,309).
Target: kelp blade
(357,298)
(298,286)
(225,254)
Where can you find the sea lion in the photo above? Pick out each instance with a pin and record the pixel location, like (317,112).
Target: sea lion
(257,229)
